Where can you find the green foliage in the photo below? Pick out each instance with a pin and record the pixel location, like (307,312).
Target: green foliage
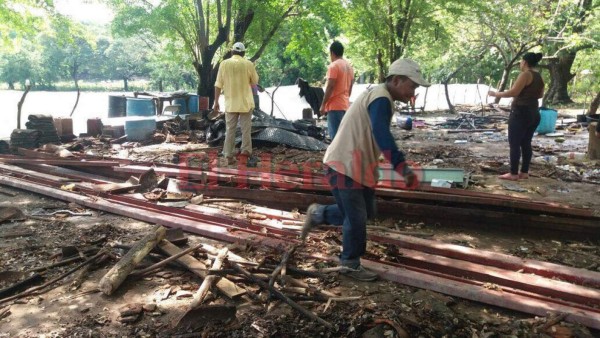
(21,19)
(167,41)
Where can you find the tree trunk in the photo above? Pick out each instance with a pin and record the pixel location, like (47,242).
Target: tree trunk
(11,85)
(20,105)
(380,66)
(125,84)
(78,95)
(503,82)
(594,105)
(560,75)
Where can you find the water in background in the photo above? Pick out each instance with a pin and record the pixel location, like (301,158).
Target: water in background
(287,103)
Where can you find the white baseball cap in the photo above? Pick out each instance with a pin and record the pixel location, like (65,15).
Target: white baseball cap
(410,69)
(238,47)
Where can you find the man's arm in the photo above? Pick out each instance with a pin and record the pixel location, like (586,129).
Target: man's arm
(253,74)
(328,92)
(380,114)
(217,95)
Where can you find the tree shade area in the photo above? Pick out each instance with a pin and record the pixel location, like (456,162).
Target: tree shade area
(179,44)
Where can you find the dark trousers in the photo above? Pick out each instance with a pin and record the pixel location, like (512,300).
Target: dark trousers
(355,204)
(522,122)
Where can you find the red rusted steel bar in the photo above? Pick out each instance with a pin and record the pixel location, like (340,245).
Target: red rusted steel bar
(76,163)
(532,304)
(546,269)
(523,281)
(201,228)
(476,291)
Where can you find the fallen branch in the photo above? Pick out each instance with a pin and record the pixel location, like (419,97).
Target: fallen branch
(37,288)
(21,285)
(115,276)
(555,319)
(340,299)
(59,263)
(281,296)
(317,291)
(4,312)
(282,265)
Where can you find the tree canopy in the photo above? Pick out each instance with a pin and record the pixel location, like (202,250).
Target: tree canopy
(179,44)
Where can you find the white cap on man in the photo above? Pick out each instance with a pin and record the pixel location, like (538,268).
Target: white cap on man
(238,47)
(410,69)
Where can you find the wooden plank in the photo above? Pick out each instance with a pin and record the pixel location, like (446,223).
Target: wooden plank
(224,285)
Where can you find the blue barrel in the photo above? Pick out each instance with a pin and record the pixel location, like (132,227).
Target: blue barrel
(193,104)
(117,106)
(548,121)
(183,103)
(140,107)
(140,130)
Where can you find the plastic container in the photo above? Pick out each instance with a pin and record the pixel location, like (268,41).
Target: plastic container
(575,156)
(140,107)
(404,122)
(193,104)
(546,159)
(183,103)
(548,121)
(140,130)
(117,106)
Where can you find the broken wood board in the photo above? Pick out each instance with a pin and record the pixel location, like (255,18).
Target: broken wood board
(227,287)
(115,188)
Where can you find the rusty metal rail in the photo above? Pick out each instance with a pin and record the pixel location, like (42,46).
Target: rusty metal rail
(453,270)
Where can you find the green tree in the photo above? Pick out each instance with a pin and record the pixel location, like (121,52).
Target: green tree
(21,19)
(74,41)
(572,27)
(127,57)
(204,27)
(17,67)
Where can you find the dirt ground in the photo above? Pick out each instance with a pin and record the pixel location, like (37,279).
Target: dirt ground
(67,310)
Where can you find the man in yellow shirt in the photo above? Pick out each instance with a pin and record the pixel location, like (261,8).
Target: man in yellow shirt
(234,79)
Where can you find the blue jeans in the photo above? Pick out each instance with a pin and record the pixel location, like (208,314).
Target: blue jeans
(355,204)
(334,118)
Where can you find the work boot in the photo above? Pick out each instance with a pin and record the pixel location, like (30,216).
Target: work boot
(314,217)
(360,273)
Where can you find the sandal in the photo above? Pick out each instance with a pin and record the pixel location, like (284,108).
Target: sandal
(523,176)
(509,177)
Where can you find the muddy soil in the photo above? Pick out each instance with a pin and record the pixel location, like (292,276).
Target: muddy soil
(68,310)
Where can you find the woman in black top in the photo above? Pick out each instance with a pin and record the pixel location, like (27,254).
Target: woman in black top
(524,115)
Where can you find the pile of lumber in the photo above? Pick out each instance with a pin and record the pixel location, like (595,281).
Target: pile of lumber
(25,138)
(45,125)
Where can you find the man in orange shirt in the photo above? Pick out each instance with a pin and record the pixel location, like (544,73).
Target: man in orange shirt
(340,77)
